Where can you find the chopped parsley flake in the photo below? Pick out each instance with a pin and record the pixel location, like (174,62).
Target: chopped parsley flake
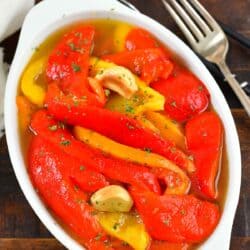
(61,125)
(36,49)
(116,225)
(65,142)
(79,201)
(53,127)
(157,44)
(125,244)
(130,126)
(92,49)
(82,168)
(173,149)
(76,103)
(148,150)
(200,88)
(136,98)
(166,222)
(129,109)
(98,236)
(100,72)
(75,67)
(183,212)
(72,46)
(173,104)
(94,212)
(78,34)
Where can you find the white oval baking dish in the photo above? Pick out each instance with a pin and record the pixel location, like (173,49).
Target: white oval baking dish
(49,16)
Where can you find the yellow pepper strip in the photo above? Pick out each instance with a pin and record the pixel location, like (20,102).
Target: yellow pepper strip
(120,35)
(25,111)
(30,85)
(138,156)
(146,123)
(168,128)
(127,228)
(144,99)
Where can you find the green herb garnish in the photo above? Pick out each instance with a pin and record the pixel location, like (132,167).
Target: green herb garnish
(116,225)
(183,212)
(72,46)
(148,150)
(166,222)
(98,236)
(129,109)
(173,104)
(200,88)
(65,142)
(75,67)
(82,168)
(53,127)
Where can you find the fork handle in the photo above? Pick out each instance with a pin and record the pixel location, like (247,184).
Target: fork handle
(235,85)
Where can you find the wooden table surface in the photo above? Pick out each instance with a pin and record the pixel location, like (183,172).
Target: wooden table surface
(19,226)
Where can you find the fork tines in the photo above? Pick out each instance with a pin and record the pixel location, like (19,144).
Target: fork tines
(192,18)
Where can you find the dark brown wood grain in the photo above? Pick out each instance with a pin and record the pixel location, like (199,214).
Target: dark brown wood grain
(31,244)
(19,226)
(239,243)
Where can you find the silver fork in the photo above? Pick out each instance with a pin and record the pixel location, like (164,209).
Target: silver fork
(206,38)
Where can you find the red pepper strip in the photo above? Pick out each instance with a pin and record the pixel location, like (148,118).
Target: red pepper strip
(94,159)
(163,245)
(87,180)
(169,179)
(46,167)
(149,64)
(185,95)
(114,125)
(68,64)
(204,136)
(139,38)
(176,218)
(100,243)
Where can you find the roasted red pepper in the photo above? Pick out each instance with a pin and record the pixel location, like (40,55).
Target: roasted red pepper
(114,125)
(204,136)
(91,158)
(47,171)
(170,179)
(149,64)
(82,177)
(85,179)
(164,245)
(68,64)
(185,95)
(139,38)
(176,218)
